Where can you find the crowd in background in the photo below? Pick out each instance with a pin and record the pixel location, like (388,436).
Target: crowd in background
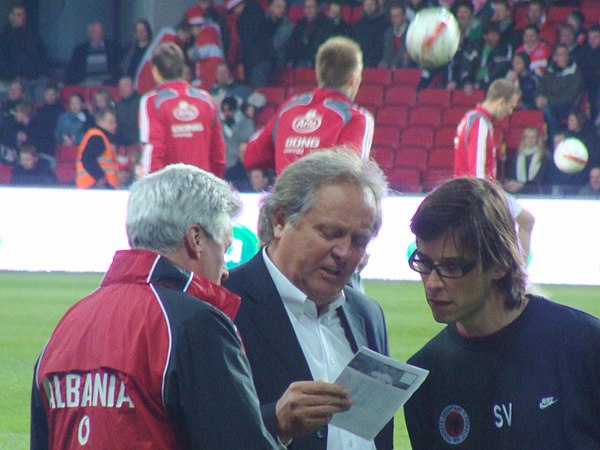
(234,47)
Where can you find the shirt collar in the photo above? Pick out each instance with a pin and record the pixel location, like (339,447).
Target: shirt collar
(293,298)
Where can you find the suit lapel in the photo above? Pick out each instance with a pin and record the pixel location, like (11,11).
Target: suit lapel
(353,323)
(270,317)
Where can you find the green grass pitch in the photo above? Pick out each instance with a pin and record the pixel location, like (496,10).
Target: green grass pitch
(32,303)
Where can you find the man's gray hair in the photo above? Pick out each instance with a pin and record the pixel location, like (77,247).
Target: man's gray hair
(164,204)
(295,190)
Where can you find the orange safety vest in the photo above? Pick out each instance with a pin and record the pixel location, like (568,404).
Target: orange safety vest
(107,161)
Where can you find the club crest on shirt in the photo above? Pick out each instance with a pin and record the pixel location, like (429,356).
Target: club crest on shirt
(185,111)
(454,424)
(307,123)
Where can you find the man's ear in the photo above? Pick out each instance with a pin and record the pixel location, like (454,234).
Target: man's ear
(194,240)
(278,223)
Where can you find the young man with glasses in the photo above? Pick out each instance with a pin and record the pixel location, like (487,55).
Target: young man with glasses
(510,370)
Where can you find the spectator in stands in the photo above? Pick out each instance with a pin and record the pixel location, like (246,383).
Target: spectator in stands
(28,130)
(127,110)
(208,51)
(590,69)
(256,34)
(334,13)
(527,169)
(277,16)
(237,129)
(135,51)
(461,69)
(502,15)
(470,26)
(368,33)
(16,94)
(184,125)
(395,54)
(495,57)
(592,189)
(96,61)
(96,164)
(536,49)
(576,19)
(559,90)
(307,36)
(72,124)
(321,118)
(103,99)
(206,9)
(567,36)
(260,180)
(48,114)
(32,170)
(527,81)
(536,14)
(22,51)
(237,175)
(578,126)
(185,42)
(414,6)
(226,86)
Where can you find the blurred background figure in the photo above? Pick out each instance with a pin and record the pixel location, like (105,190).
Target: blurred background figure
(96,61)
(135,51)
(526,171)
(126,110)
(72,124)
(31,170)
(592,188)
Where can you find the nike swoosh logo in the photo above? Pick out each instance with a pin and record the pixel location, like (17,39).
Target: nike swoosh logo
(546,402)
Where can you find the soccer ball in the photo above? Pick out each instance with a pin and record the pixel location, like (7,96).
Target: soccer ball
(571,155)
(432,37)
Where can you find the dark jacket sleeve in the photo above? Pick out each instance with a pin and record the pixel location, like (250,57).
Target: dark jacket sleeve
(89,158)
(209,387)
(39,424)
(76,69)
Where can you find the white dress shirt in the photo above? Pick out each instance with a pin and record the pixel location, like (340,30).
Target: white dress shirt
(323,342)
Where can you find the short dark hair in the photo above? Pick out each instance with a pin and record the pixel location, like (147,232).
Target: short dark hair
(168,59)
(532,27)
(231,102)
(475,213)
(462,4)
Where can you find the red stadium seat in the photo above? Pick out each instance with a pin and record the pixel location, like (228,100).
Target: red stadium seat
(383,155)
(459,97)
(389,136)
(284,76)
(295,13)
(417,136)
(377,75)
(305,75)
(527,118)
(558,14)
(392,115)
(444,136)
(370,95)
(452,116)
(274,94)
(502,124)
(591,12)
(405,179)
(549,35)
(66,153)
(356,14)
(425,115)
(411,157)
(513,137)
(441,157)
(347,13)
(408,75)
(5,174)
(401,95)
(65,172)
(67,91)
(434,176)
(435,97)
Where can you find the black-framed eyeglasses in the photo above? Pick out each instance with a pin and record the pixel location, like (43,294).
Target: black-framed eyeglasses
(446,270)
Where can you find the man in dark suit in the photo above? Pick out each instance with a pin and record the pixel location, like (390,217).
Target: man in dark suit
(298,320)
